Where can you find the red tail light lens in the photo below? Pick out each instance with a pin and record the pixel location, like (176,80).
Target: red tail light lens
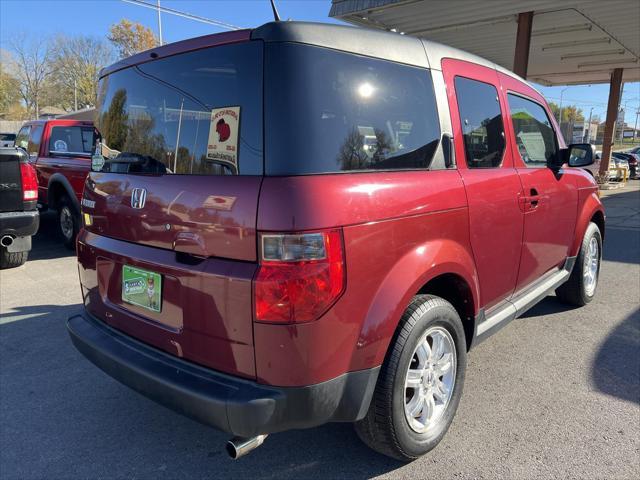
(300,276)
(29,182)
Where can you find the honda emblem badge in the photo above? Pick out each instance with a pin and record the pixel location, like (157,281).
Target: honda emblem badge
(138,197)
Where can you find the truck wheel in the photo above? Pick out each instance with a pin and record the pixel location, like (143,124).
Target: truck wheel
(11,260)
(581,286)
(420,383)
(68,223)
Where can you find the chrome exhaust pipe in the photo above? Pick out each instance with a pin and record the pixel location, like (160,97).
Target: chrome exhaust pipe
(6,241)
(238,446)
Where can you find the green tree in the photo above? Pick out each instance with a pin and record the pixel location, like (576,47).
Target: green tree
(9,86)
(130,38)
(570,113)
(113,122)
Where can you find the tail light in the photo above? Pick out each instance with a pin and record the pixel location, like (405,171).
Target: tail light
(29,182)
(300,276)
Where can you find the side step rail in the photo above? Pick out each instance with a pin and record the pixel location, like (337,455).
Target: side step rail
(488,323)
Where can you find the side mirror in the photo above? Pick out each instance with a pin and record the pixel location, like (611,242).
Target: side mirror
(580,155)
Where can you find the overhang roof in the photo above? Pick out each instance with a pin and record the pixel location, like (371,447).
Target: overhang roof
(572,42)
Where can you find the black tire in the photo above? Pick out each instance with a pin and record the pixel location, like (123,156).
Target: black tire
(11,260)
(385,428)
(574,291)
(68,222)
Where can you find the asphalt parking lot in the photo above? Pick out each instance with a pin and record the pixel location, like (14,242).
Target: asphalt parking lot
(555,394)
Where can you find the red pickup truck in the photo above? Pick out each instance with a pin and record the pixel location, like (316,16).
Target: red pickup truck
(61,152)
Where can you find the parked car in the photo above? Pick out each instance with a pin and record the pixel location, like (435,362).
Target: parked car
(634,150)
(19,219)
(615,164)
(61,152)
(7,140)
(626,160)
(319,225)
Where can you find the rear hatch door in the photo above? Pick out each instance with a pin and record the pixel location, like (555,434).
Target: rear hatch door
(169,248)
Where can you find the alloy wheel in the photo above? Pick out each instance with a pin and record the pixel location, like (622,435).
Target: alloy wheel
(591,266)
(430,379)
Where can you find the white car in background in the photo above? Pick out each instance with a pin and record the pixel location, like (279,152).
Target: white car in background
(615,166)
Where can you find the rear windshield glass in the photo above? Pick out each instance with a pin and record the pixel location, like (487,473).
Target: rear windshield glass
(74,140)
(197,113)
(8,137)
(329,111)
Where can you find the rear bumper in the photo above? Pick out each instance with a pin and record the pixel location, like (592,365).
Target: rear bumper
(19,224)
(238,406)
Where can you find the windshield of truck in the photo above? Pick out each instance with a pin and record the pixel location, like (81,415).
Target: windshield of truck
(196,113)
(329,111)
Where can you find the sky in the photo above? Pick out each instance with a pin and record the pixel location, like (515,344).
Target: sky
(94,17)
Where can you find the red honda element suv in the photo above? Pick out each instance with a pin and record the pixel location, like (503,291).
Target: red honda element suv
(306,223)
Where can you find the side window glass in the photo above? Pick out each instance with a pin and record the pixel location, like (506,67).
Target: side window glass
(22,139)
(71,140)
(34,140)
(534,134)
(481,120)
(329,111)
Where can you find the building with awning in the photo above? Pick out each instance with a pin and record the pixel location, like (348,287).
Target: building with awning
(545,41)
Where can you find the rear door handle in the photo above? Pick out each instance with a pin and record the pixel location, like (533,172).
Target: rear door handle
(533,199)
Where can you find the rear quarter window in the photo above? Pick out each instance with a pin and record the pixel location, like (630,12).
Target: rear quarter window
(329,111)
(71,140)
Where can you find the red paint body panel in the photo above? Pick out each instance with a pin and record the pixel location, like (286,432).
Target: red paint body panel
(419,229)
(74,169)
(589,205)
(206,312)
(496,220)
(550,227)
(199,233)
(324,201)
(207,216)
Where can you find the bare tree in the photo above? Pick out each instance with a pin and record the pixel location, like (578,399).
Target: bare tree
(32,68)
(77,62)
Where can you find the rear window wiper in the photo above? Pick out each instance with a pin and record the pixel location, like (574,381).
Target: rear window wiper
(135,163)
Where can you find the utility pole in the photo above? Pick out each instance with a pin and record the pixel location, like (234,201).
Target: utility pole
(159,23)
(75,95)
(560,106)
(589,127)
(624,111)
(635,128)
(560,110)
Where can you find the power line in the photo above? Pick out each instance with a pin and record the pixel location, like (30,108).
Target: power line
(178,13)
